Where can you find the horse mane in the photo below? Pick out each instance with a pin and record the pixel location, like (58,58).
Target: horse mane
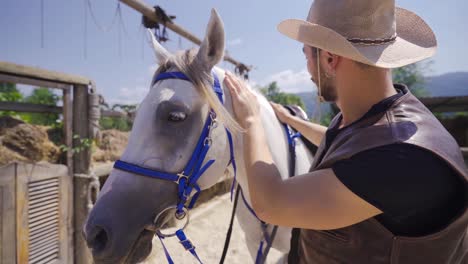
(185,61)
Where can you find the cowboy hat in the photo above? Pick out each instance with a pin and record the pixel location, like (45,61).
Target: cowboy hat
(374,32)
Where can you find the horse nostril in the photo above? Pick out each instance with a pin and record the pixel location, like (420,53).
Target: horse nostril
(97,239)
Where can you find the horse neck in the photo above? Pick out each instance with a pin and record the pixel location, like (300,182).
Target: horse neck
(275,138)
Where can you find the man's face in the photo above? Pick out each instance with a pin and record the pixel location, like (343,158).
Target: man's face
(327,84)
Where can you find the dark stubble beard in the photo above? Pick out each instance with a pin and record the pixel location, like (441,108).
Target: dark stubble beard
(327,87)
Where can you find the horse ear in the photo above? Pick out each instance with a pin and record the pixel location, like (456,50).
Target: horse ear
(161,53)
(212,48)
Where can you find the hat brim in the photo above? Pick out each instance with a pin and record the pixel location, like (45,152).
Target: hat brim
(415,41)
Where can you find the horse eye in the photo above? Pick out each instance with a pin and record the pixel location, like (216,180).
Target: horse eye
(177,116)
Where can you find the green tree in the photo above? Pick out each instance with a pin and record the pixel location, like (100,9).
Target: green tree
(42,96)
(273,93)
(413,76)
(9,93)
(119,123)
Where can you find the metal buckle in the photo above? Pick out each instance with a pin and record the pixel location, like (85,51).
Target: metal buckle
(181,176)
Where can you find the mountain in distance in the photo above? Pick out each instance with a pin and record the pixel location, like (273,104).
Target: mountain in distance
(311,104)
(448,84)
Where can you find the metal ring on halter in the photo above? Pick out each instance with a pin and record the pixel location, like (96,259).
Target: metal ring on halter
(208,142)
(186,212)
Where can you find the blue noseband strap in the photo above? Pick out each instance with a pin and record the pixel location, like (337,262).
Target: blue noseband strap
(187,179)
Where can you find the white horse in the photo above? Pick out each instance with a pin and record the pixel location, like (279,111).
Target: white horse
(166,128)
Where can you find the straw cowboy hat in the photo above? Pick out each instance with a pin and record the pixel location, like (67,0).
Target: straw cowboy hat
(373,32)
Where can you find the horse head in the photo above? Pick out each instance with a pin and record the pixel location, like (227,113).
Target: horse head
(166,129)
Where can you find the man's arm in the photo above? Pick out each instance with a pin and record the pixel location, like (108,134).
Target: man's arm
(316,200)
(313,132)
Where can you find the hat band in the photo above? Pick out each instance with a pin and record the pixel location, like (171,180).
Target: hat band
(372,41)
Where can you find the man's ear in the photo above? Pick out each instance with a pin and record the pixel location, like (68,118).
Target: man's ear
(330,62)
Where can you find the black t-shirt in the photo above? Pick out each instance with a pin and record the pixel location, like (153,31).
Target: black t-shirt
(417,191)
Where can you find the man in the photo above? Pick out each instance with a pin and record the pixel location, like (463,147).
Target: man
(388,183)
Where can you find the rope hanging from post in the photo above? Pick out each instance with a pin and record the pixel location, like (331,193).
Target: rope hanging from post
(42,23)
(160,31)
(89,6)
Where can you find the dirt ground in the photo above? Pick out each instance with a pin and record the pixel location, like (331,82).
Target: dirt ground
(207,231)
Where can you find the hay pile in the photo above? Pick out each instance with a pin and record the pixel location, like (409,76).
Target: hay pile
(111,146)
(24,142)
(20,141)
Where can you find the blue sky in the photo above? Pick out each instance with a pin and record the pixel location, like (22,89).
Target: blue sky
(250,31)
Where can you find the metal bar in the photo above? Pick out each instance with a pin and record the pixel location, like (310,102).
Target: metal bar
(30,108)
(41,74)
(110,113)
(102,170)
(149,12)
(10,78)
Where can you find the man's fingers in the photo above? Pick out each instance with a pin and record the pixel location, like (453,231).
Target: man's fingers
(229,83)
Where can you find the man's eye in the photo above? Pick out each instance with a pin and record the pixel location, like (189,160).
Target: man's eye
(177,116)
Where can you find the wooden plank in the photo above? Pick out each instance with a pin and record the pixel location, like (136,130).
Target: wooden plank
(41,74)
(68,140)
(81,129)
(81,183)
(68,185)
(81,165)
(68,127)
(7,214)
(31,81)
(30,108)
(446,104)
(110,113)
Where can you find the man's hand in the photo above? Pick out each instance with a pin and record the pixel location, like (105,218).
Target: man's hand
(244,101)
(282,113)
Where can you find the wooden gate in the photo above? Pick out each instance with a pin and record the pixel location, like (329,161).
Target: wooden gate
(35,213)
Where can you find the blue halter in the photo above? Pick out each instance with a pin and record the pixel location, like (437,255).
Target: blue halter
(187,179)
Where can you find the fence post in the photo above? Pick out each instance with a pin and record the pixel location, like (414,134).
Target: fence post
(81,164)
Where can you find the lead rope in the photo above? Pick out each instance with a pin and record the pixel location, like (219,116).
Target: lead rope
(186,243)
(229,232)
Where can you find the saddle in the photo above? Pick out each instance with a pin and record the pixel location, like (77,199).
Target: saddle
(296,110)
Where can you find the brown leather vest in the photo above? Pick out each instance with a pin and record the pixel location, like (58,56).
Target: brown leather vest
(408,121)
